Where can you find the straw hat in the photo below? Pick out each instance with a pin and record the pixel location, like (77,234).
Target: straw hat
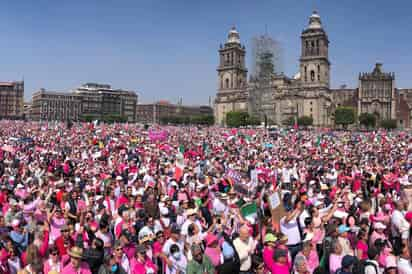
(76,252)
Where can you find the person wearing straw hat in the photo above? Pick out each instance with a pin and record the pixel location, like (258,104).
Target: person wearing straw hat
(76,265)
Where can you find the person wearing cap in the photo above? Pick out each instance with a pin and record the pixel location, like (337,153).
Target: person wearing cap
(200,263)
(213,250)
(76,265)
(344,241)
(175,238)
(378,232)
(269,248)
(348,263)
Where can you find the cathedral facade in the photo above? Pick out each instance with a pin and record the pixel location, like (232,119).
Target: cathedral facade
(308,93)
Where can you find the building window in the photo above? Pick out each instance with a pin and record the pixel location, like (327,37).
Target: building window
(318,72)
(311,102)
(311,109)
(312,75)
(227,83)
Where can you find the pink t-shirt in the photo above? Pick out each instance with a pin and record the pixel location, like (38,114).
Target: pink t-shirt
(280,269)
(364,247)
(55,225)
(214,255)
(335,262)
(268,258)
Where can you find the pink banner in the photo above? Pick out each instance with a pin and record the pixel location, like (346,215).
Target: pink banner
(160,135)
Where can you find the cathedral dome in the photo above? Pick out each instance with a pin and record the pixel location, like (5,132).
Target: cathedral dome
(314,21)
(233,36)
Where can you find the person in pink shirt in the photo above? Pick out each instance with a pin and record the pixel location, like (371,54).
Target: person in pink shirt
(378,233)
(280,266)
(141,263)
(76,266)
(53,262)
(309,255)
(335,258)
(362,245)
(213,250)
(268,250)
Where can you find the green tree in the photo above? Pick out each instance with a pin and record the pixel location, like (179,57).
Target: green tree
(253,121)
(344,116)
(388,124)
(305,121)
(237,118)
(367,120)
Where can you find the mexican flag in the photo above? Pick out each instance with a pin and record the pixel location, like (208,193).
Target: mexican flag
(249,212)
(179,166)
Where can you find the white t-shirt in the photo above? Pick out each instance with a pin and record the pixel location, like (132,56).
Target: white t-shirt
(186,225)
(169,243)
(404,266)
(291,230)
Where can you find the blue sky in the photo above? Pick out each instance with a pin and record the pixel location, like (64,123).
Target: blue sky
(166,49)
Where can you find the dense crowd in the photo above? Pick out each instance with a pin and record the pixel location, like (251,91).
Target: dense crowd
(132,199)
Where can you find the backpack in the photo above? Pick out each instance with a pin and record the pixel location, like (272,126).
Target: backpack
(359,267)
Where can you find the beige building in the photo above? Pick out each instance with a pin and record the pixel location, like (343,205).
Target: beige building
(308,93)
(157,112)
(90,100)
(55,106)
(11,100)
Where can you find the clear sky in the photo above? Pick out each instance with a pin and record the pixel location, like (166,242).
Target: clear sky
(166,49)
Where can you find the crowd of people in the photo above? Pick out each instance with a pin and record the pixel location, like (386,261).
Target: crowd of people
(132,199)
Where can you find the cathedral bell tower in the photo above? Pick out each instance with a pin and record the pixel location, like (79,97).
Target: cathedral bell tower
(232,71)
(232,78)
(314,60)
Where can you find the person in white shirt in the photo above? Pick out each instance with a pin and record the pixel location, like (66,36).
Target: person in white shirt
(289,226)
(404,261)
(400,226)
(191,215)
(245,247)
(372,265)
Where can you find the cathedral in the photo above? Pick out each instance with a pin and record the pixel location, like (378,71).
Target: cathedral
(308,93)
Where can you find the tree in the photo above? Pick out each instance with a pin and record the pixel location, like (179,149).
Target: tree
(253,121)
(237,118)
(367,120)
(305,121)
(388,124)
(344,116)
